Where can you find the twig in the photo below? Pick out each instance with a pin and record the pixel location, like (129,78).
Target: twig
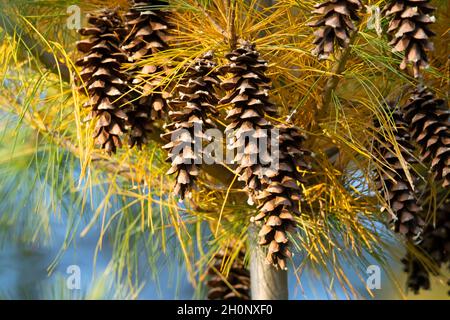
(214,22)
(231,23)
(331,84)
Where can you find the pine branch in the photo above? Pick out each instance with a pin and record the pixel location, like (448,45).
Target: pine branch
(49,60)
(101,162)
(332,83)
(213,22)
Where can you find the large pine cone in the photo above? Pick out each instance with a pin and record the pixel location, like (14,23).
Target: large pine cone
(279,200)
(196,100)
(393,183)
(238,287)
(147,34)
(103,80)
(248,92)
(428,119)
(334,25)
(410,31)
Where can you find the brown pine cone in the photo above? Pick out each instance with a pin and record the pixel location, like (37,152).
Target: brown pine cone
(334,25)
(418,276)
(428,120)
(393,183)
(147,26)
(436,245)
(279,200)
(196,100)
(248,93)
(103,80)
(410,32)
(238,287)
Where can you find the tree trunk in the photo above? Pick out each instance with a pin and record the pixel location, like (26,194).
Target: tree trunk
(267,283)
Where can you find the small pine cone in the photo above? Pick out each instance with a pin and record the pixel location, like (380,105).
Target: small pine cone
(334,25)
(428,119)
(147,35)
(248,92)
(279,200)
(418,276)
(436,236)
(238,278)
(409,29)
(103,80)
(436,244)
(393,183)
(196,100)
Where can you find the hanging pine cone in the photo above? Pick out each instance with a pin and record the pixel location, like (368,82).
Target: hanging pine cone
(103,80)
(436,236)
(196,100)
(147,35)
(279,200)
(393,183)
(334,25)
(418,276)
(238,287)
(428,119)
(248,92)
(436,244)
(409,29)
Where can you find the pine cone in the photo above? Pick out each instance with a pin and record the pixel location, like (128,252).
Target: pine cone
(393,183)
(102,77)
(410,31)
(279,200)
(436,236)
(436,244)
(335,25)
(428,119)
(418,276)
(196,100)
(238,278)
(248,92)
(147,34)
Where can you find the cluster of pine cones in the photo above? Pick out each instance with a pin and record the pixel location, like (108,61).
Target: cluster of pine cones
(125,103)
(409,28)
(112,41)
(422,131)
